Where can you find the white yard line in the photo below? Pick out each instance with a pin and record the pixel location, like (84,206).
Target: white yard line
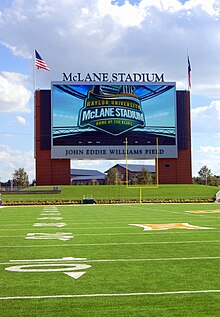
(75,228)
(108,244)
(142,233)
(174,212)
(11,237)
(156,209)
(158,259)
(18,224)
(93,228)
(110,295)
(113,260)
(126,234)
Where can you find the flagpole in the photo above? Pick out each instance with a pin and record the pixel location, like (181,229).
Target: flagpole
(34,72)
(187,56)
(188,70)
(34,97)
(38,63)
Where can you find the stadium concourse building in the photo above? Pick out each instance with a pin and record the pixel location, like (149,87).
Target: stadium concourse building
(102,125)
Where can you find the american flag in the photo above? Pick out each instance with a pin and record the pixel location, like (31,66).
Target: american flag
(39,62)
(189,73)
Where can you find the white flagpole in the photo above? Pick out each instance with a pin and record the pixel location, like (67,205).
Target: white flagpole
(188,71)
(34,72)
(34,97)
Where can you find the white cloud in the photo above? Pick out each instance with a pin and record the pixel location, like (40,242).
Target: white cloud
(199,110)
(210,149)
(11,159)
(205,134)
(14,96)
(4,155)
(210,159)
(99,35)
(211,7)
(206,119)
(16,15)
(210,162)
(17,51)
(21,120)
(127,15)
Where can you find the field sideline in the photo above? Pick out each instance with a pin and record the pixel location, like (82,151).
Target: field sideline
(110,260)
(181,193)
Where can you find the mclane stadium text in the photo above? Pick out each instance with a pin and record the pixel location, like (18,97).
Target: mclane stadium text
(114,77)
(111,112)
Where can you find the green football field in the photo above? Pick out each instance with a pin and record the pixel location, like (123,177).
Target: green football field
(110,260)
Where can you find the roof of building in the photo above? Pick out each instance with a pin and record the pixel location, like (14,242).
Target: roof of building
(83,172)
(88,178)
(136,167)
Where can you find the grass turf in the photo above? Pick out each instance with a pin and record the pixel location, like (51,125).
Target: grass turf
(119,193)
(125,261)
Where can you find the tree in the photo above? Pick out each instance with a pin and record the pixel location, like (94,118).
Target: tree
(214,181)
(113,176)
(144,177)
(20,177)
(205,174)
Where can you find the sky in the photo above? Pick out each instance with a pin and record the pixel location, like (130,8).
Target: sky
(107,36)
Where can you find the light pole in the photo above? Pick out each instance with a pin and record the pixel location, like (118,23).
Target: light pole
(11,182)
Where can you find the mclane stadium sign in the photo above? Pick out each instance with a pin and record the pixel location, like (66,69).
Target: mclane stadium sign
(114,77)
(113,109)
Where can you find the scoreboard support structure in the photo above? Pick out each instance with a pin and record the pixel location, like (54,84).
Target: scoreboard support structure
(57,171)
